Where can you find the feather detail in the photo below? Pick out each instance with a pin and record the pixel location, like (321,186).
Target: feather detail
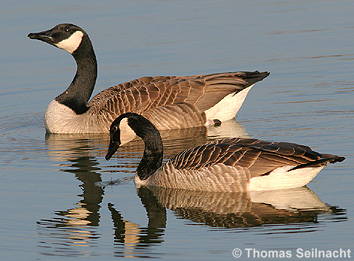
(230,164)
(170,102)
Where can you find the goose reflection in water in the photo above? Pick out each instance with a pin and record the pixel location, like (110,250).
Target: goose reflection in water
(132,240)
(239,210)
(76,226)
(276,210)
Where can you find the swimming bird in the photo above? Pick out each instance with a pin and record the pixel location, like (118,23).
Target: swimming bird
(224,165)
(170,102)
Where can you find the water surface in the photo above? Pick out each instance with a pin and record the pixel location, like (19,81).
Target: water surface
(51,206)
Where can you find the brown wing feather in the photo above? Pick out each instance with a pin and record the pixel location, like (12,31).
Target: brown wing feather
(176,116)
(149,93)
(259,157)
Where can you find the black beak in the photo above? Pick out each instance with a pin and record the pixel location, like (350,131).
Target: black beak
(113,146)
(44,36)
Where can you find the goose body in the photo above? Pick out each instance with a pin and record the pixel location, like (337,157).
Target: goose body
(170,102)
(224,165)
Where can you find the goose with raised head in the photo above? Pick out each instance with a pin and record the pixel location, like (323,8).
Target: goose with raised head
(170,102)
(228,165)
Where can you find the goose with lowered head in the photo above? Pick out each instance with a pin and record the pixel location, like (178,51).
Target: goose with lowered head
(224,165)
(170,102)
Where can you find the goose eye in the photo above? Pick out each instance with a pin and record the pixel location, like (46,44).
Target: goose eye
(67,29)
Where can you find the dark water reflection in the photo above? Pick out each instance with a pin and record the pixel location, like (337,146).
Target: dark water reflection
(73,231)
(130,239)
(75,227)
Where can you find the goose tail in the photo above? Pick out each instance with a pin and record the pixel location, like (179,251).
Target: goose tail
(326,158)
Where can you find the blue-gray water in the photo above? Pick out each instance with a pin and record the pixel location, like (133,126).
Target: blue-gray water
(50,205)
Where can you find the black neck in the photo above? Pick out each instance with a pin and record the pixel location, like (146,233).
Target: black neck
(79,92)
(153,152)
(152,158)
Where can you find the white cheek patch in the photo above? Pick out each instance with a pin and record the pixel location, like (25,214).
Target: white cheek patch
(72,43)
(123,124)
(126,133)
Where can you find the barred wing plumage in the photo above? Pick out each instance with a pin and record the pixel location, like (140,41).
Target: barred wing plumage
(170,101)
(259,157)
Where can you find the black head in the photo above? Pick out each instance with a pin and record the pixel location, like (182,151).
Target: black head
(140,125)
(65,36)
(114,138)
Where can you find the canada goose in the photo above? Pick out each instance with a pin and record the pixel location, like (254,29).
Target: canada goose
(229,164)
(170,102)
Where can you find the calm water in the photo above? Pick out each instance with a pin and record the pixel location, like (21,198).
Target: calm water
(60,198)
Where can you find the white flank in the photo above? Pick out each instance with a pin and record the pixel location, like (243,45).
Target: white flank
(72,43)
(227,108)
(281,178)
